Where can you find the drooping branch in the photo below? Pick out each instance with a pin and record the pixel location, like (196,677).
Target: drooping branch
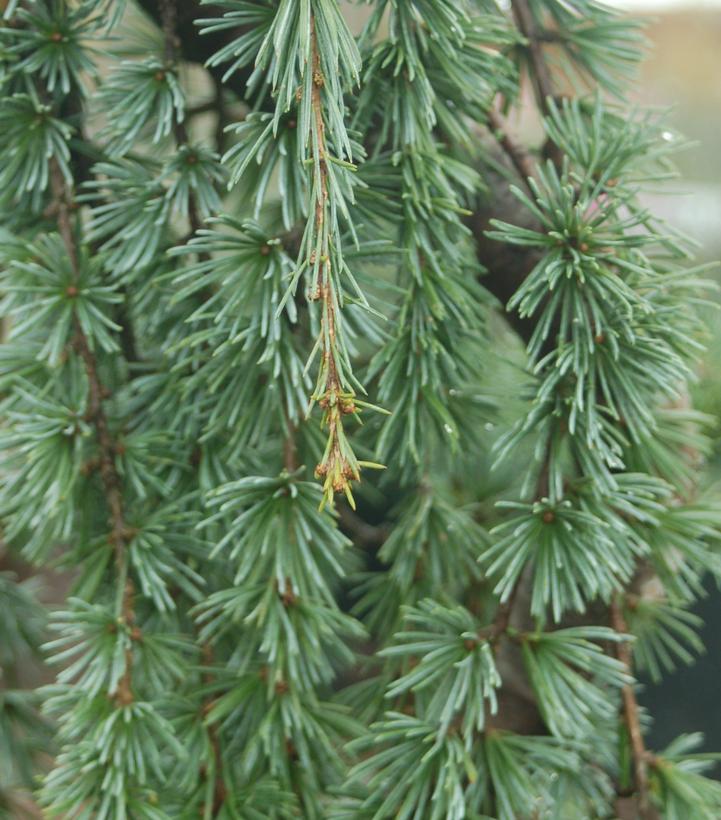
(172,44)
(539,73)
(506,266)
(338,467)
(120,534)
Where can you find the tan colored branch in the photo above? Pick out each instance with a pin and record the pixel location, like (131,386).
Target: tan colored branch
(631,715)
(336,468)
(539,73)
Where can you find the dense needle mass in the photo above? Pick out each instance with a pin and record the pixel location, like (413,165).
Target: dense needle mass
(252,251)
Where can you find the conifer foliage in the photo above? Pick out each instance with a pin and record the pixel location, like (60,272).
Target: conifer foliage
(343,542)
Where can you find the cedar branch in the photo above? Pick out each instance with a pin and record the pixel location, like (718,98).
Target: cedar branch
(540,75)
(337,469)
(120,534)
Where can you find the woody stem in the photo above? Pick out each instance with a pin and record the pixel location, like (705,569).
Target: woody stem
(95,415)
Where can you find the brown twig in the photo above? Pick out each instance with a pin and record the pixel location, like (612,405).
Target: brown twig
(540,75)
(120,534)
(171,45)
(219,789)
(363,533)
(208,107)
(323,281)
(220,110)
(336,467)
(290,449)
(520,158)
(631,715)
(504,613)
(169,22)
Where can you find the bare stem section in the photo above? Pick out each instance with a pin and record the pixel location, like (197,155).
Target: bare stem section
(631,716)
(339,466)
(539,74)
